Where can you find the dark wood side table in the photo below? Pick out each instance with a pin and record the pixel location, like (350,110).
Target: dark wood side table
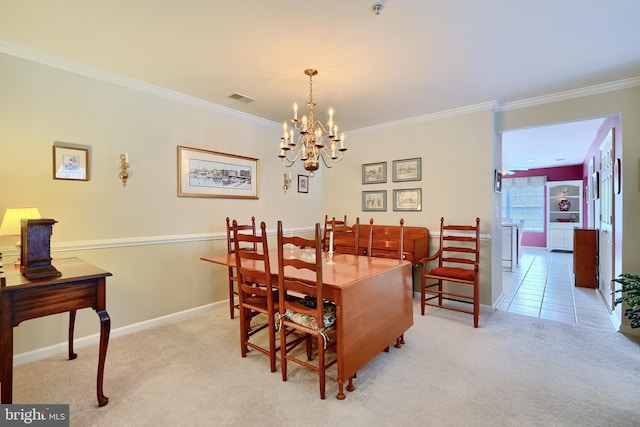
(81,285)
(585,257)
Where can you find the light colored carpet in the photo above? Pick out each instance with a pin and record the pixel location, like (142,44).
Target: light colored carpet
(512,371)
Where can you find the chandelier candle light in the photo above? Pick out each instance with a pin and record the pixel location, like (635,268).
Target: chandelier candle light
(314,141)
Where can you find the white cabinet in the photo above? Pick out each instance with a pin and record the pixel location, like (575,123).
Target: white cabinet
(564,213)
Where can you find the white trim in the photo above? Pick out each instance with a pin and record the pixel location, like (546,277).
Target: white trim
(140,241)
(41,353)
(120,80)
(570,94)
(117,79)
(491,105)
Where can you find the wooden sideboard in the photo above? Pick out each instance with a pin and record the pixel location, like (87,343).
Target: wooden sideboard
(416,241)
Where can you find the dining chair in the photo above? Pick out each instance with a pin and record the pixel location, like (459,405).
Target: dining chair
(345,239)
(458,259)
(311,314)
(328,227)
(386,241)
(233,277)
(257,292)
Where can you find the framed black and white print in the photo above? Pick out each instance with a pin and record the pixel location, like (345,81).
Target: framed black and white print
(407,170)
(374,201)
(205,173)
(409,199)
(497,181)
(374,173)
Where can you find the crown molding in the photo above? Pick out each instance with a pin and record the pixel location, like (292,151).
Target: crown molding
(570,94)
(127,82)
(140,86)
(490,105)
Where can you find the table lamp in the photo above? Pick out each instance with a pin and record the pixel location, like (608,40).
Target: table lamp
(10,225)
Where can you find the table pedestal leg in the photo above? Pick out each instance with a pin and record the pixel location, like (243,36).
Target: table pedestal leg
(72,325)
(340,395)
(6,361)
(105,328)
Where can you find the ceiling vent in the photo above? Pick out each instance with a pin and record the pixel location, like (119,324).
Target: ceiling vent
(241,98)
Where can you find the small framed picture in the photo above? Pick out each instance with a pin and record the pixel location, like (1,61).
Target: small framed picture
(497,181)
(407,200)
(70,163)
(374,173)
(303,183)
(407,170)
(374,201)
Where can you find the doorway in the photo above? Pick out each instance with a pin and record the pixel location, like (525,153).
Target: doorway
(520,147)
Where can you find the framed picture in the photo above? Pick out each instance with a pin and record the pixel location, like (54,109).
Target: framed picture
(407,200)
(374,201)
(407,170)
(303,183)
(374,173)
(70,162)
(497,181)
(204,173)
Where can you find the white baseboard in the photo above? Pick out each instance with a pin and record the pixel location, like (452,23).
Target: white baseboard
(41,353)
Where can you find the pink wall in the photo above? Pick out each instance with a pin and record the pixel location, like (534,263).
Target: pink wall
(563,173)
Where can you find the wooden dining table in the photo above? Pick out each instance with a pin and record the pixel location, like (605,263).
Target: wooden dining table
(373,298)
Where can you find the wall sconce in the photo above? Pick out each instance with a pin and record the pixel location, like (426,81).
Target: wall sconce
(287,182)
(124,165)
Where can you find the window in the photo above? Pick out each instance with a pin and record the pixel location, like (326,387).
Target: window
(523,198)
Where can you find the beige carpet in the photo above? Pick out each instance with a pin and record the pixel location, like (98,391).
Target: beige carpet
(512,371)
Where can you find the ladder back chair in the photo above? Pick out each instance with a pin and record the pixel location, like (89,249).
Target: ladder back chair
(329,224)
(257,292)
(386,241)
(310,315)
(345,239)
(458,259)
(233,277)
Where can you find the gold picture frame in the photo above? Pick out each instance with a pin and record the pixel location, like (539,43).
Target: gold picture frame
(70,162)
(205,173)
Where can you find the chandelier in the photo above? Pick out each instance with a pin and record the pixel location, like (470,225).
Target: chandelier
(309,140)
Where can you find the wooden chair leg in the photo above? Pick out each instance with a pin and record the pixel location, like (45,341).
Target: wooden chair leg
(423,295)
(321,368)
(231,303)
(283,352)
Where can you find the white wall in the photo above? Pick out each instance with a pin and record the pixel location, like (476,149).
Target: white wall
(116,227)
(457,176)
(151,240)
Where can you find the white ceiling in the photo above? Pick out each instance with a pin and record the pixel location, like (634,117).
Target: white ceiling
(416,58)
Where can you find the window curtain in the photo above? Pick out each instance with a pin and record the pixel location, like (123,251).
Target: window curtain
(524,182)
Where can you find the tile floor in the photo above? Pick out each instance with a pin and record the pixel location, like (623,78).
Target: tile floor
(542,286)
